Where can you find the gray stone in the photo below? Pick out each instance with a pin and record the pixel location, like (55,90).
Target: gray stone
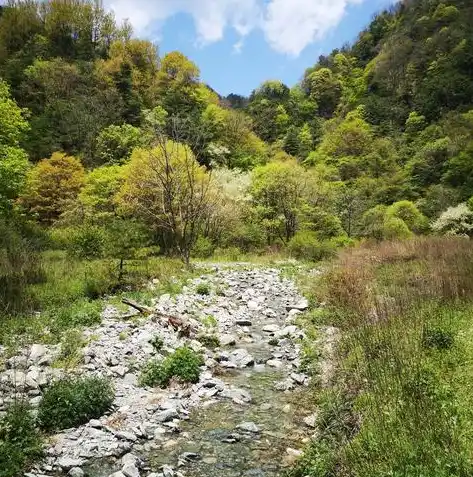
(227,340)
(67,463)
(130,470)
(311,421)
(274,363)
(190,456)
(272,328)
(248,427)
(76,472)
(37,351)
(166,415)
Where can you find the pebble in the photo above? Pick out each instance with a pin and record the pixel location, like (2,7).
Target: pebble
(248,427)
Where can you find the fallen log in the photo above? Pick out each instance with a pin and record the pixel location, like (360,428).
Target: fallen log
(141,308)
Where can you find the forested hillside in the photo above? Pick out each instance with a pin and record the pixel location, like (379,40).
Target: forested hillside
(119,165)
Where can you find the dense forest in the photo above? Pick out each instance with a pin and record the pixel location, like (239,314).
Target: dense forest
(115,160)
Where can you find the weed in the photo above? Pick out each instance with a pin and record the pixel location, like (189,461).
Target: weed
(71,350)
(203,289)
(184,364)
(209,341)
(71,402)
(209,321)
(157,343)
(123,336)
(20,442)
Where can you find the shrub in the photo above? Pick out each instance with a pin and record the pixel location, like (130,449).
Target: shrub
(210,341)
(20,441)
(184,364)
(410,214)
(395,228)
(455,221)
(437,338)
(72,402)
(306,246)
(87,242)
(203,248)
(203,289)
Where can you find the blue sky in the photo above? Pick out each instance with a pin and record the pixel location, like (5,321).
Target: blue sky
(238,44)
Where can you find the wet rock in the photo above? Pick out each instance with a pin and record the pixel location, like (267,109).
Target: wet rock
(238,396)
(232,438)
(190,456)
(248,427)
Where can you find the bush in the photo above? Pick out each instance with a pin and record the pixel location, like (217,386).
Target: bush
(20,441)
(157,343)
(184,364)
(87,242)
(395,228)
(305,245)
(437,338)
(203,289)
(455,221)
(203,248)
(410,214)
(209,341)
(72,402)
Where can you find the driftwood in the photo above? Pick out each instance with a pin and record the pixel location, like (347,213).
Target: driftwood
(141,308)
(181,325)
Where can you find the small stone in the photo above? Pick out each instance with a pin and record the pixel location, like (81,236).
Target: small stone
(311,421)
(248,427)
(190,456)
(127,436)
(67,463)
(232,438)
(298,378)
(117,474)
(167,471)
(130,470)
(166,415)
(95,423)
(209,460)
(227,340)
(76,472)
(130,459)
(274,363)
(301,306)
(266,406)
(119,370)
(252,305)
(244,322)
(271,328)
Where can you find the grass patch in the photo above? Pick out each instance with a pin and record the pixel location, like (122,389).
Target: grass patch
(20,441)
(184,364)
(402,398)
(71,402)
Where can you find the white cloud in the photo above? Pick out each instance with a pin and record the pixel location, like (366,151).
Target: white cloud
(291,25)
(288,25)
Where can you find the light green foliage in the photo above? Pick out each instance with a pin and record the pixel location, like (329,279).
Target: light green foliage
(279,189)
(20,441)
(97,197)
(184,364)
(409,214)
(13,160)
(116,143)
(70,402)
(307,246)
(455,221)
(203,248)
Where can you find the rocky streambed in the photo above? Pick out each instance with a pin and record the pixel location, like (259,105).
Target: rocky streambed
(246,415)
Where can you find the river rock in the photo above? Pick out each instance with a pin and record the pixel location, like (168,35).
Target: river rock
(248,427)
(272,328)
(76,472)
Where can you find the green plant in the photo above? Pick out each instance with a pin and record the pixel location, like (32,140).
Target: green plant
(203,289)
(123,335)
(80,313)
(305,245)
(203,248)
(210,341)
(437,338)
(157,343)
(71,402)
(71,349)
(184,364)
(20,442)
(209,321)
